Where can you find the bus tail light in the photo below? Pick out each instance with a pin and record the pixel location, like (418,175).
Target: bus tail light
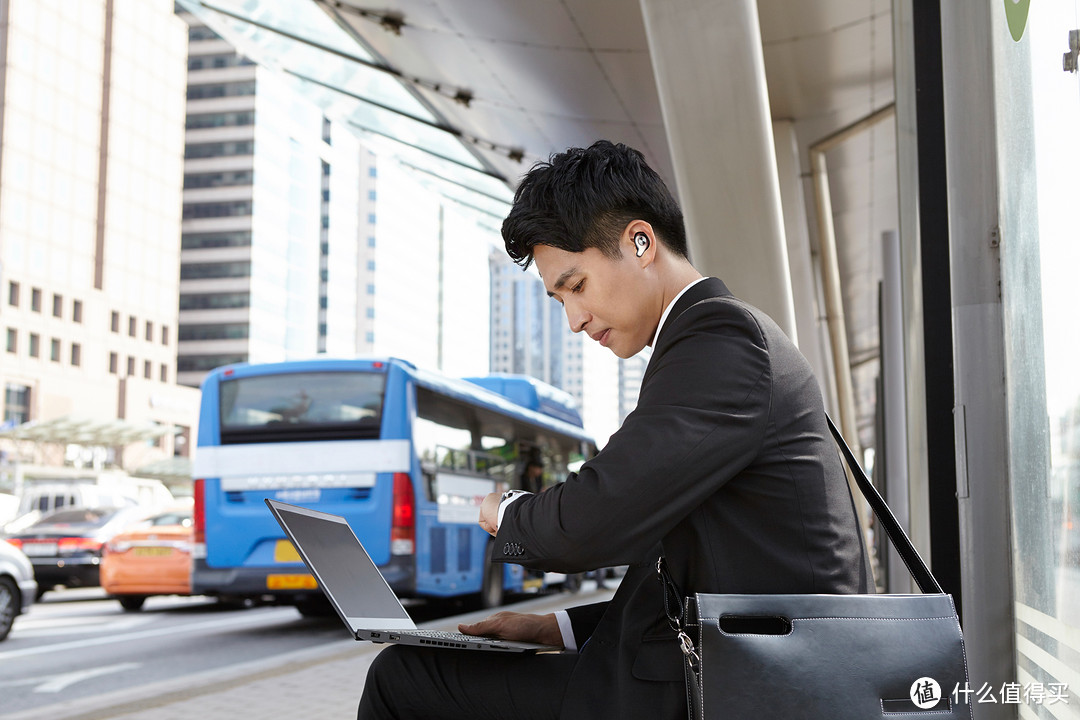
(198,517)
(403,528)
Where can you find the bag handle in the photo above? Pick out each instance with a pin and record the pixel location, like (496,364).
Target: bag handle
(915,565)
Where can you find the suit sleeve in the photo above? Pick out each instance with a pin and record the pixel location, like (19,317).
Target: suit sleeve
(584,619)
(700,419)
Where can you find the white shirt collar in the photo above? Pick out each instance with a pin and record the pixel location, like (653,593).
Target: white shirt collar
(667,310)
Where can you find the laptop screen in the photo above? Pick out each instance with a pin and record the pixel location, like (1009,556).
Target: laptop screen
(344,568)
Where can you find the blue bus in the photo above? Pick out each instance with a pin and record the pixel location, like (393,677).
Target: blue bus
(404,454)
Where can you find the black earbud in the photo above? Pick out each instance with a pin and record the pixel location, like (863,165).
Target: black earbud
(641,242)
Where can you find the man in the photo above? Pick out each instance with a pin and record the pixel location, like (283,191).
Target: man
(726,467)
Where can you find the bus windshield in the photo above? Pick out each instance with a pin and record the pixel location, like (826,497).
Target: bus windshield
(300,407)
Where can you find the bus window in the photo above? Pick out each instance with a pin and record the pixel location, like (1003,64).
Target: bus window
(301,407)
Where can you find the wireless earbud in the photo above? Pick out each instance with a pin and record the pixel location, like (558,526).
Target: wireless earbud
(641,242)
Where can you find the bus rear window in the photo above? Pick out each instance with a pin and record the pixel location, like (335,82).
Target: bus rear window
(301,407)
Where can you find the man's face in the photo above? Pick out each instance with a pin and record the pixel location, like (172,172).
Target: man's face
(610,299)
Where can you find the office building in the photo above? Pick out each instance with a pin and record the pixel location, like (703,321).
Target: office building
(278,229)
(90,170)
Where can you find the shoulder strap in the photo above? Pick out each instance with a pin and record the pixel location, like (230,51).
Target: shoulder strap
(915,565)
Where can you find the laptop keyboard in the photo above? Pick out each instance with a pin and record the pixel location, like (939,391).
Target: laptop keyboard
(446,635)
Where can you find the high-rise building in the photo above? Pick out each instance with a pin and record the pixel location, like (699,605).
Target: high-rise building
(277,247)
(91,116)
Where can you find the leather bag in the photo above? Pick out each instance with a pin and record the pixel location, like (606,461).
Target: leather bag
(833,657)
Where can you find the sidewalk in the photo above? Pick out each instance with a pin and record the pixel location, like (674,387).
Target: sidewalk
(324,682)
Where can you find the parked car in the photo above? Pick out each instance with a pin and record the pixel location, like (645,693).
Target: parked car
(150,558)
(17,586)
(65,547)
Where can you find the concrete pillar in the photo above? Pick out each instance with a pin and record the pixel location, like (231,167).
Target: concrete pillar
(710,74)
(809,314)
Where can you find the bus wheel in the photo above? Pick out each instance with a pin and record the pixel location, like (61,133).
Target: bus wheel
(491,591)
(131,603)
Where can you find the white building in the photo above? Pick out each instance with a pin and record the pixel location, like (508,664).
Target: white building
(278,232)
(90,171)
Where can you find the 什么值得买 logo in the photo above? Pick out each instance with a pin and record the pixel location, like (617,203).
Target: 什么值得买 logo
(925,693)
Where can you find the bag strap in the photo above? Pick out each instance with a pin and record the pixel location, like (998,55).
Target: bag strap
(923,577)
(915,565)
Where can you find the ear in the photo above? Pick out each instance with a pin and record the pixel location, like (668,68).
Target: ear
(644,254)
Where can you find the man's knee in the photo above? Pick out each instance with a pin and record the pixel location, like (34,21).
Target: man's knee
(376,701)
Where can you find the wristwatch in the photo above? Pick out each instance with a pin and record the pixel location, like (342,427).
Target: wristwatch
(512,493)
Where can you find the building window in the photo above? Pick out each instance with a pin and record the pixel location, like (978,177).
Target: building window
(54,350)
(219,179)
(214,62)
(215,301)
(146,369)
(235,89)
(236,208)
(371,289)
(371,195)
(370,337)
(16,404)
(371,218)
(202,363)
(164,372)
(115,325)
(372,172)
(200,271)
(114,363)
(35,300)
(130,366)
(149,330)
(132,323)
(12,340)
(371,313)
(35,345)
(322,329)
(217,331)
(164,334)
(219,149)
(222,119)
(76,354)
(324,275)
(76,310)
(201,32)
(197,241)
(371,241)
(13,294)
(371,265)
(57,305)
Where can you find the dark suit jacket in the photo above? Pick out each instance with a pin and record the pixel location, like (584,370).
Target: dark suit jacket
(727,467)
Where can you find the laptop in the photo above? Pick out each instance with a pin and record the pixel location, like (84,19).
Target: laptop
(357,590)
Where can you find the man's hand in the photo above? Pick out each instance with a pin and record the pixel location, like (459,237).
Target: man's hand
(489,512)
(523,627)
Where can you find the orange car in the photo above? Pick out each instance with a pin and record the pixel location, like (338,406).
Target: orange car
(151,558)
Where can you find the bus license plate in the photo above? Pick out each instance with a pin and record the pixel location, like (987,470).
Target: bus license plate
(291,582)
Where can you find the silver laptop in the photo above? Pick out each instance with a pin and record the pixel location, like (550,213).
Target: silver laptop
(357,589)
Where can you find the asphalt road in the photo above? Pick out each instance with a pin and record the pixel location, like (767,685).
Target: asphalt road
(78,644)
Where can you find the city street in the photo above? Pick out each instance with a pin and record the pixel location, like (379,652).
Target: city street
(77,654)
(76,644)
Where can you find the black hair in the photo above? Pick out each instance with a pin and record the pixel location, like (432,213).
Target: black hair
(584,198)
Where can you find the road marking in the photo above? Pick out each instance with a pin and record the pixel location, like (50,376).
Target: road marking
(56,683)
(28,626)
(230,622)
